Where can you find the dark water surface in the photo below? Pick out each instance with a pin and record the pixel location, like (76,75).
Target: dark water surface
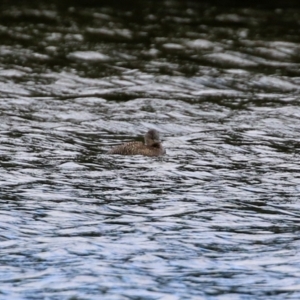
(217,218)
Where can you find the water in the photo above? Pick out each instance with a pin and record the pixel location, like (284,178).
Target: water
(216,218)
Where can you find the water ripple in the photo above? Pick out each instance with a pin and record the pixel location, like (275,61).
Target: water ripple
(215,218)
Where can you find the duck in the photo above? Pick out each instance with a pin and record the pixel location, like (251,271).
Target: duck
(151,147)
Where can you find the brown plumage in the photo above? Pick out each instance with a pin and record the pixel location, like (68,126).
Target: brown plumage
(152,146)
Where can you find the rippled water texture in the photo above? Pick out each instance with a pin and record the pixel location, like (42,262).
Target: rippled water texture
(217,218)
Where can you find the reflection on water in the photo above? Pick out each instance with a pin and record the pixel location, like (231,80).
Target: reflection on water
(216,218)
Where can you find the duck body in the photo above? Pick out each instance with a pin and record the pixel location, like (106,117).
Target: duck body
(152,146)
